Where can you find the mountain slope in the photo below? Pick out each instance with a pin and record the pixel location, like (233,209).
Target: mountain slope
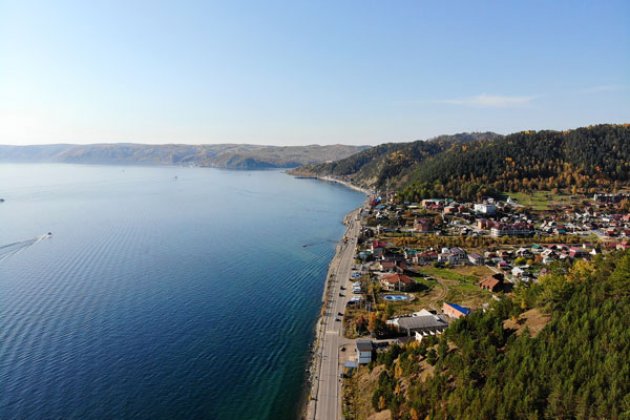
(229,156)
(575,367)
(391,162)
(467,166)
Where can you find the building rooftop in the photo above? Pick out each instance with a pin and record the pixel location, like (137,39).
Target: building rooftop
(364,345)
(461,309)
(423,322)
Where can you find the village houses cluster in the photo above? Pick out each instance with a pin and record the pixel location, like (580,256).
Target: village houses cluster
(515,243)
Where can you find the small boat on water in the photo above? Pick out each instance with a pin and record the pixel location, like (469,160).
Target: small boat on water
(49,234)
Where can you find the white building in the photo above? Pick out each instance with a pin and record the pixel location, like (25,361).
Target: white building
(453,256)
(484,208)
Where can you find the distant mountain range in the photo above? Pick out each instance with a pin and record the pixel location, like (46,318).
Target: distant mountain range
(229,156)
(470,165)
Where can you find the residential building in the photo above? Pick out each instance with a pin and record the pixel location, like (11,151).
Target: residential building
(476,259)
(516,229)
(420,324)
(452,256)
(397,282)
(485,208)
(492,283)
(364,349)
(423,225)
(454,311)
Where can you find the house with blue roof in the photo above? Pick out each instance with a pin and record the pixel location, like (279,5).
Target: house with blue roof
(455,311)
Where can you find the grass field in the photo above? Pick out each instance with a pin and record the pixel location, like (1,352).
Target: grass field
(541,200)
(426,282)
(464,275)
(461,283)
(457,285)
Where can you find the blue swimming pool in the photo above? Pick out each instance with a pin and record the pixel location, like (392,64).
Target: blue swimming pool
(396,298)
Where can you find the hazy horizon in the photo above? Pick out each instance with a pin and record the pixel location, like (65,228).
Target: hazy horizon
(96,143)
(283,73)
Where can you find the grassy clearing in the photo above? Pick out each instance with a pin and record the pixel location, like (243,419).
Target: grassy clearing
(426,283)
(541,200)
(458,285)
(461,284)
(449,274)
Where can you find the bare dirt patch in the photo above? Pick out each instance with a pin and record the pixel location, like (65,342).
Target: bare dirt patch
(381,415)
(533,319)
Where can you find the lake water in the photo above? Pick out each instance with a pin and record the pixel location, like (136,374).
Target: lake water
(163,292)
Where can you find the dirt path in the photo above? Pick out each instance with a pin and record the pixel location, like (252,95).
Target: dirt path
(442,283)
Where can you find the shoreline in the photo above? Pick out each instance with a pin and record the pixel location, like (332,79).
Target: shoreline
(312,385)
(309,398)
(336,181)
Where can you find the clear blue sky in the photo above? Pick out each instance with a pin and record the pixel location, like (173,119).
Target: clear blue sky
(304,72)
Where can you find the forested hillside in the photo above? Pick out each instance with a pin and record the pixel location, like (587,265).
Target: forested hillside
(467,167)
(391,163)
(576,367)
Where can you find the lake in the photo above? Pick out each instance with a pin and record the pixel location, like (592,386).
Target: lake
(163,292)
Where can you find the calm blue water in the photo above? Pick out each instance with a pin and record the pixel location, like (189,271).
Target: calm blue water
(159,297)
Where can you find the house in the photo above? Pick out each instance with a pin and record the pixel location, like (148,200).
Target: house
(475,259)
(575,252)
(423,225)
(454,311)
(427,257)
(420,324)
(377,244)
(450,209)
(453,256)
(433,203)
(492,283)
(391,262)
(364,349)
(388,265)
(411,255)
(484,208)
(519,271)
(503,265)
(516,229)
(397,282)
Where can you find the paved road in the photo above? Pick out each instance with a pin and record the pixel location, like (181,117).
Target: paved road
(328,400)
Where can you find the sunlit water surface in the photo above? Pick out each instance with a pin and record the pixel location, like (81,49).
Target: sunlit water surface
(163,292)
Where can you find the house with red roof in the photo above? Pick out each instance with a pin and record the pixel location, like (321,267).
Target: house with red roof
(397,282)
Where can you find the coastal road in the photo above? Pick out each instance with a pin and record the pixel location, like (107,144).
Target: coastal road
(328,399)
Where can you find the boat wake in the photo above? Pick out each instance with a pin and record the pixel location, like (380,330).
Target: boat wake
(15,248)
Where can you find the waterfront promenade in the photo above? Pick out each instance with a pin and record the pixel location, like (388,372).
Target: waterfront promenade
(324,397)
